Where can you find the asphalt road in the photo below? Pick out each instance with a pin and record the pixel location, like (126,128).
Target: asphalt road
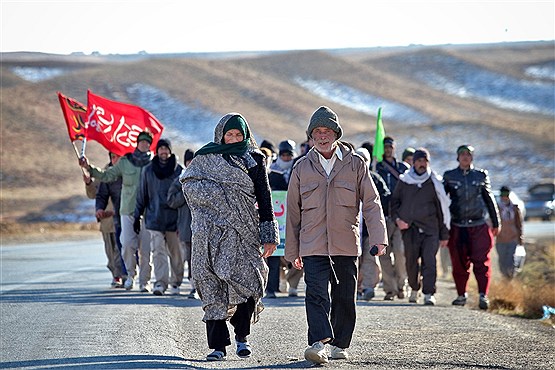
(57,311)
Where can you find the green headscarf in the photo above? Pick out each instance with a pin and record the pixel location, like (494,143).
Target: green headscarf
(238,149)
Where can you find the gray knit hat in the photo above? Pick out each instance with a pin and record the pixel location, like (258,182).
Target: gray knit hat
(324,117)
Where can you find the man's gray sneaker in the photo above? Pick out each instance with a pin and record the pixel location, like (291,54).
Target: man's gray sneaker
(484,302)
(459,301)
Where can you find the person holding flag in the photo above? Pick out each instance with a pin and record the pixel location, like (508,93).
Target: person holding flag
(128,131)
(129,169)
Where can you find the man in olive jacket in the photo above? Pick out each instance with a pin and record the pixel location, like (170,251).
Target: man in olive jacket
(326,190)
(129,169)
(420,208)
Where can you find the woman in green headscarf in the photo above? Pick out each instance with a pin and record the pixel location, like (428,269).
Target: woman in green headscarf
(223,184)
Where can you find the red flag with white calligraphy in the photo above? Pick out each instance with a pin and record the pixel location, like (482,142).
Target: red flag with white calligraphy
(116,125)
(75,115)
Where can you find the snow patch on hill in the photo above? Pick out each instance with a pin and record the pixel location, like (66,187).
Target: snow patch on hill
(363,102)
(182,123)
(545,71)
(466,80)
(37,74)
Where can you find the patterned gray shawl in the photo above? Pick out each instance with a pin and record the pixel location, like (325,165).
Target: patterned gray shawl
(226,263)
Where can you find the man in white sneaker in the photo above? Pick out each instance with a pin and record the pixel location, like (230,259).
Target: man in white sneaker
(420,208)
(326,190)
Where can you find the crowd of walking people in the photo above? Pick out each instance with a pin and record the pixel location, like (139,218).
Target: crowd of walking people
(353,224)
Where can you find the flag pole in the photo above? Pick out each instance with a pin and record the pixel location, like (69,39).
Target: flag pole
(378,150)
(84,170)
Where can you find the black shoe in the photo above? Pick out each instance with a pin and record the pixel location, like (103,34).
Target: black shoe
(389,297)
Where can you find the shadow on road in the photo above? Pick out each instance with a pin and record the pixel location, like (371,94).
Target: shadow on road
(102,362)
(79,297)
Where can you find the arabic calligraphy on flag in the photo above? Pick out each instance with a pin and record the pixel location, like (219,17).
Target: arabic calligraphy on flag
(116,125)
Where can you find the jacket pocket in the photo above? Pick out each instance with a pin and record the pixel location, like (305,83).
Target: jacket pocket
(309,196)
(345,194)
(453,184)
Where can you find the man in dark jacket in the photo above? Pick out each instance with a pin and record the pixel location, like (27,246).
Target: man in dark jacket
(418,205)
(394,272)
(369,270)
(160,218)
(176,199)
(471,239)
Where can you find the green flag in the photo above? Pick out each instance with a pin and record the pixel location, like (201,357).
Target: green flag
(378,151)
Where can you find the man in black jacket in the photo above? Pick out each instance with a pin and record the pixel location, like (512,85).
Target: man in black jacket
(394,272)
(160,218)
(470,239)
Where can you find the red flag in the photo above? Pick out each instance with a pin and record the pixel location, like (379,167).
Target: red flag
(116,125)
(75,115)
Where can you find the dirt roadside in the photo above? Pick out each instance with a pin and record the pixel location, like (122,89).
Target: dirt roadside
(16,233)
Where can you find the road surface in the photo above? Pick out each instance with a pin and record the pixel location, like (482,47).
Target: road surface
(57,311)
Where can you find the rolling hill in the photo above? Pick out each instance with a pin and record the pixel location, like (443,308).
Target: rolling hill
(498,97)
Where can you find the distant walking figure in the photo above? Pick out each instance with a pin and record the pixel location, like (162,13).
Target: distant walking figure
(470,239)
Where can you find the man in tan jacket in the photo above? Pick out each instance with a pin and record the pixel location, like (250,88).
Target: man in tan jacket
(326,190)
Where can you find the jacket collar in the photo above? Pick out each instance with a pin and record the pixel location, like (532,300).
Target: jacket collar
(342,150)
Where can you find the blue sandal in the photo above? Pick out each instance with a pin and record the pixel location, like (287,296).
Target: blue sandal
(216,356)
(243,349)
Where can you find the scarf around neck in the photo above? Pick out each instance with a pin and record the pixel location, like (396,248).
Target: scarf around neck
(163,170)
(138,158)
(412,178)
(238,149)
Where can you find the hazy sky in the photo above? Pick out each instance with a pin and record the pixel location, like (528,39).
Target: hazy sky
(125,27)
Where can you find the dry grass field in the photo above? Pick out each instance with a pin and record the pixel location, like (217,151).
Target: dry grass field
(39,172)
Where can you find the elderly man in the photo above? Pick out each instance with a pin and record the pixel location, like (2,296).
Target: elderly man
(470,239)
(420,209)
(326,190)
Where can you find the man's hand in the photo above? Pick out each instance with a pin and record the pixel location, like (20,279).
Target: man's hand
(87,179)
(137,225)
(101,214)
(443,243)
(84,162)
(402,225)
(269,249)
(495,231)
(298,263)
(381,249)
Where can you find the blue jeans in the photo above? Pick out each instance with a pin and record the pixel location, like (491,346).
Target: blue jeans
(330,313)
